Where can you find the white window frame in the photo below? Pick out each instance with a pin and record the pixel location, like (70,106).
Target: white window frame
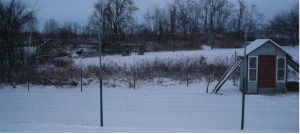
(284,69)
(256,68)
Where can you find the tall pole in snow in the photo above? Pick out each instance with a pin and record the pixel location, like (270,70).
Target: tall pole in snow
(245,87)
(101,98)
(80,73)
(134,70)
(28,57)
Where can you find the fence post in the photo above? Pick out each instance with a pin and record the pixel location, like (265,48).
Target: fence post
(234,72)
(101,99)
(187,76)
(245,78)
(28,85)
(209,78)
(81,74)
(26,78)
(134,73)
(243,105)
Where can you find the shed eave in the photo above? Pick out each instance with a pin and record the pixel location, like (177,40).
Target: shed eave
(259,43)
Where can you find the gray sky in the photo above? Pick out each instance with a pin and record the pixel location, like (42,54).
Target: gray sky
(79,10)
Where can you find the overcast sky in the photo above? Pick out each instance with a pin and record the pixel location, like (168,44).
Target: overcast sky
(79,10)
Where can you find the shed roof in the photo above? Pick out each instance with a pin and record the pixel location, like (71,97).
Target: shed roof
(258,43)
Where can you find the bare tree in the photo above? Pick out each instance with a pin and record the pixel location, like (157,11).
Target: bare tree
(254,20)
(215,17)
(15,15)
(247,21)
(113,16)
(148,18)
(191,18)
(183,15)
(241,11)
(156,20)
(284,27)
(50,27)
(293,19)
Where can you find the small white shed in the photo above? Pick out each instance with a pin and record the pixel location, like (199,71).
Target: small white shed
(263,70)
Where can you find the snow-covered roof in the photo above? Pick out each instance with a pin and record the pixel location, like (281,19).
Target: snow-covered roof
(259,42)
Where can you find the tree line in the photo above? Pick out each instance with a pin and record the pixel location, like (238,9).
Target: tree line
(178,25)
(210,21)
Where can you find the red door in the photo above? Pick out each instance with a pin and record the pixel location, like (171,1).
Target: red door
(266,71)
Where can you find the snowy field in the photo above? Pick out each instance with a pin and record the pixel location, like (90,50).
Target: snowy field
(211,55)
(171,107)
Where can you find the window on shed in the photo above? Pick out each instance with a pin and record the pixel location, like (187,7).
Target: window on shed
(280,69)
(252,69)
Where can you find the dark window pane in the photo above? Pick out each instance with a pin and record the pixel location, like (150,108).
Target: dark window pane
(252,62)
(281,64)
(280,75)
(252,74)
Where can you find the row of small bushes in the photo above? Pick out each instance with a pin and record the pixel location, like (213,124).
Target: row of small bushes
(61,72)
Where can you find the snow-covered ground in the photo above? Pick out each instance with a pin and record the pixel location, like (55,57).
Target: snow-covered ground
(177,55)
(168,107)
(150,109)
